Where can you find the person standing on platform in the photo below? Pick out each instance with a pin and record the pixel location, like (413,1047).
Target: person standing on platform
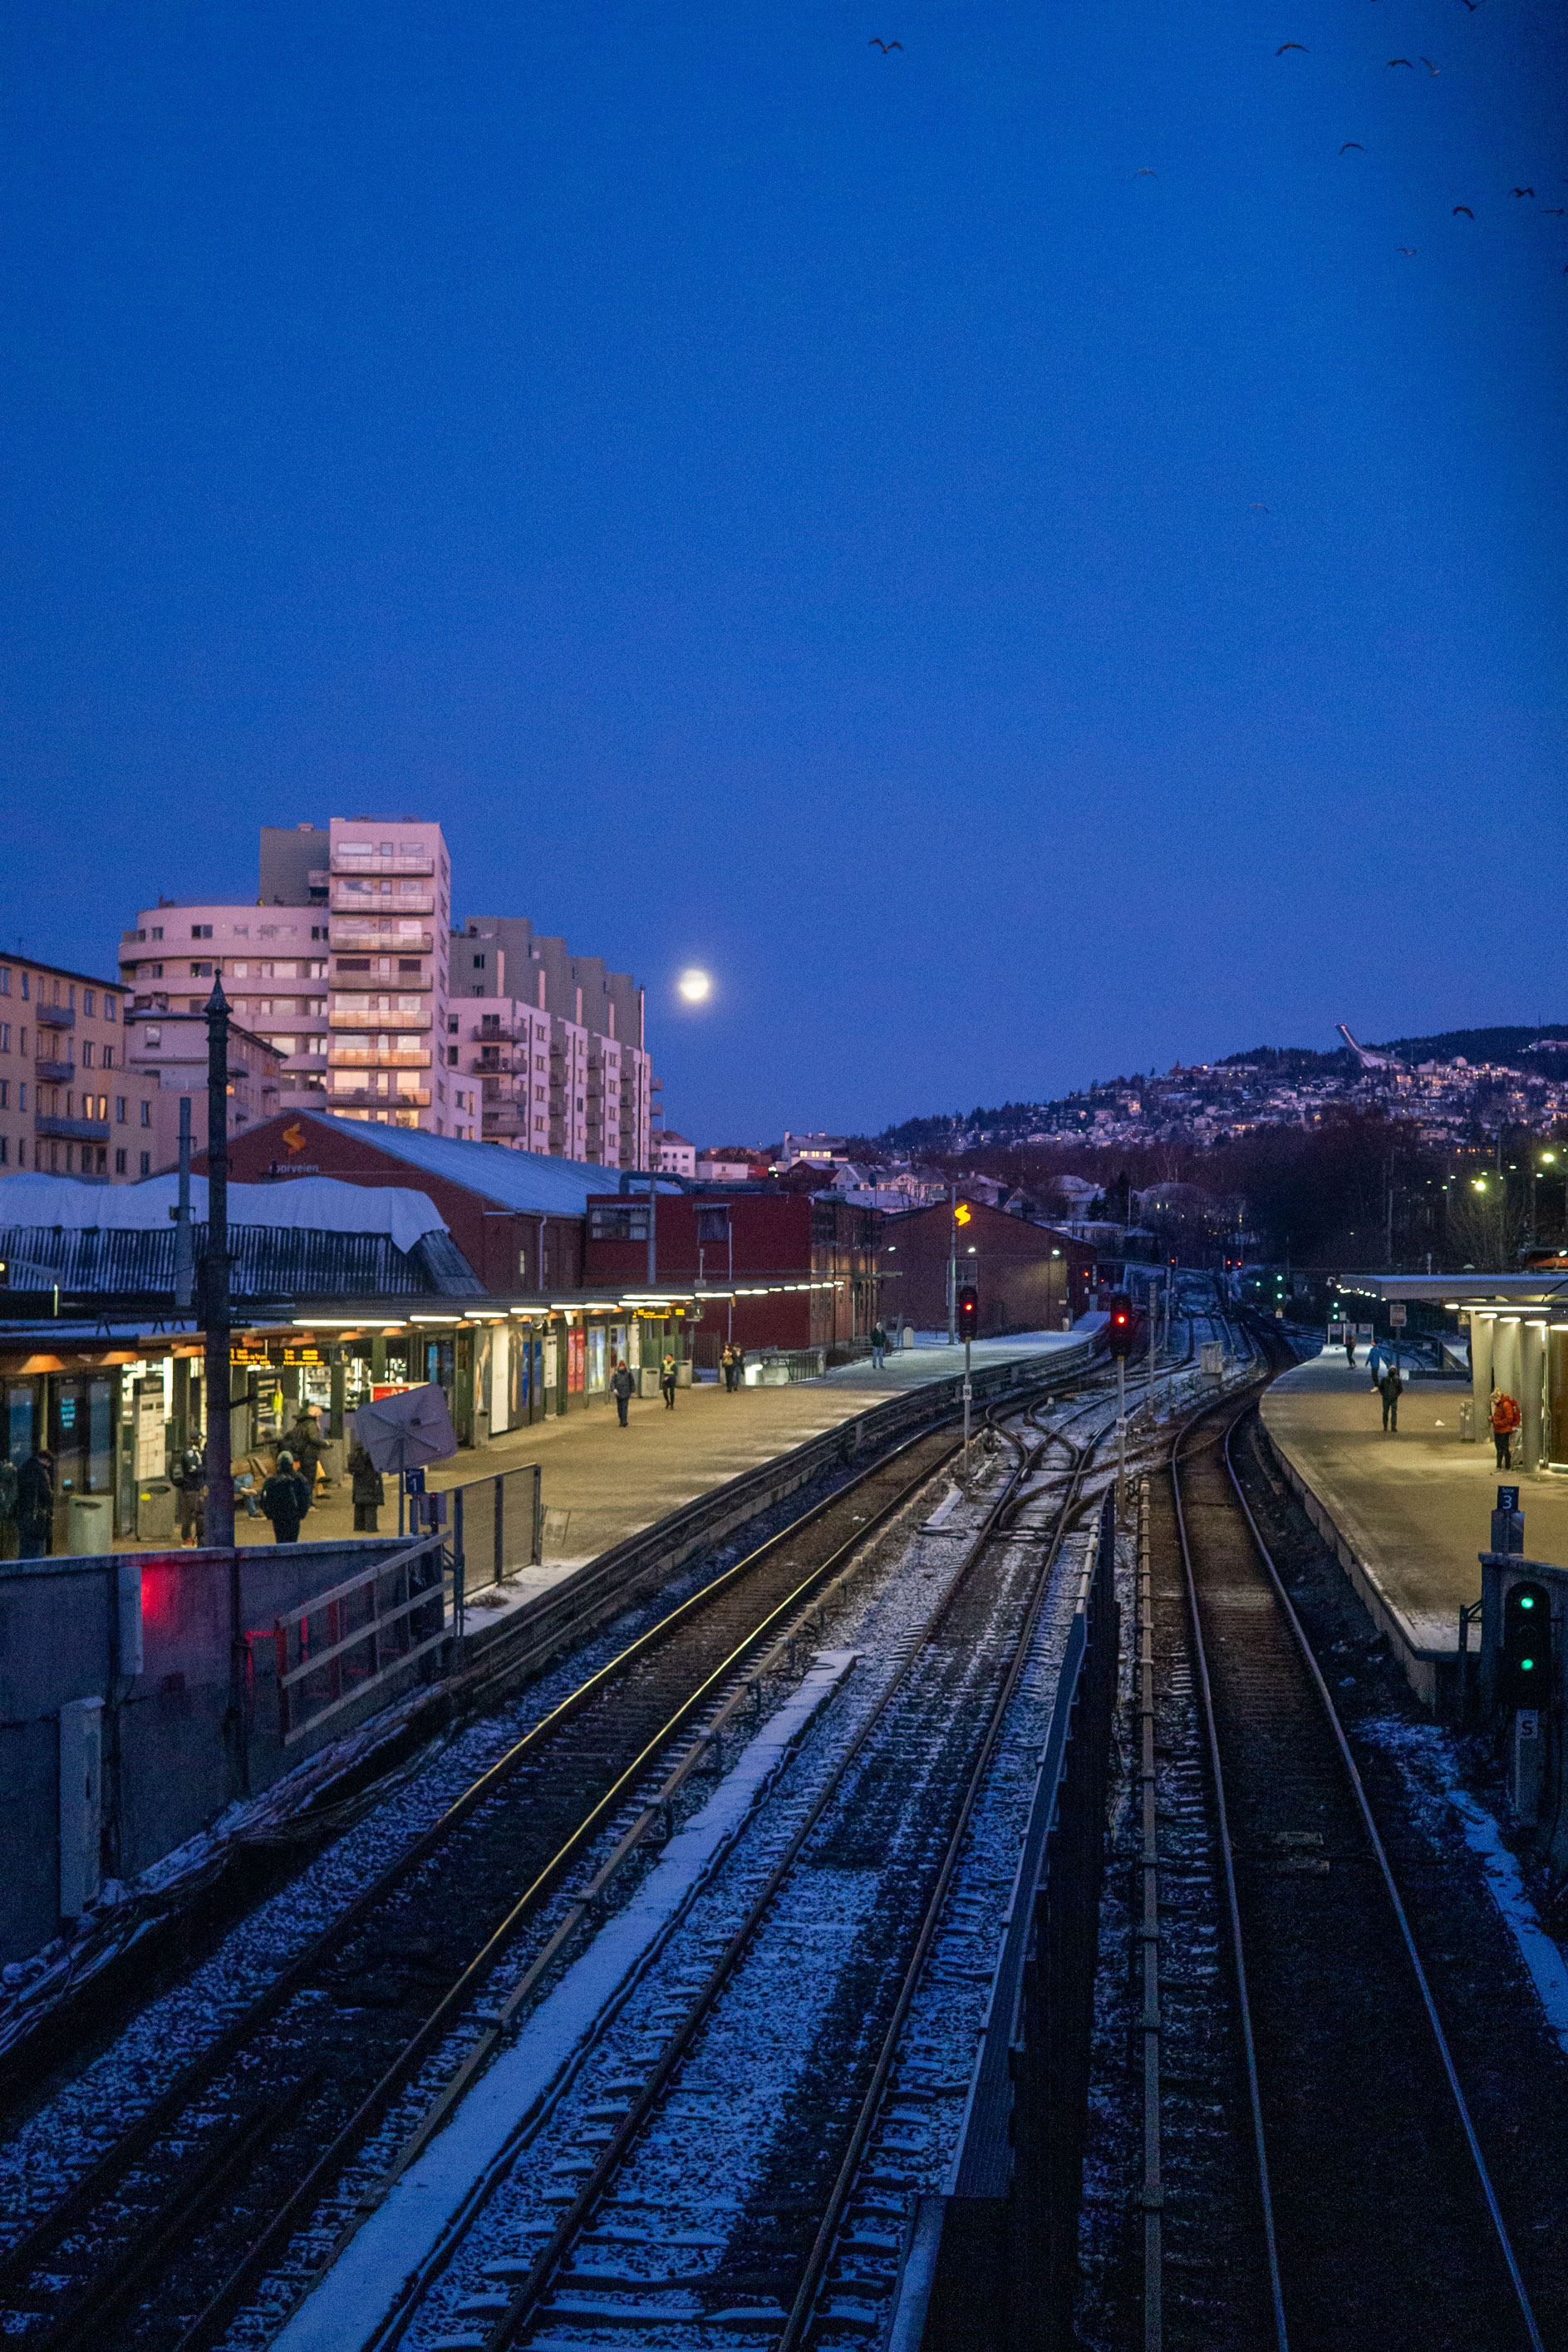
(667,1382)
(368,1487)
(623,1387)
(1505,1420)
(1350,1350)
(191,1485)
(1388,1387)
(878,1346)
(35,1503)
(729,1365)
(285,1499)
(307,1445)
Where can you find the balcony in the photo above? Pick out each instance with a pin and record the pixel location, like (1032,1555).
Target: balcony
(55,1017)
(73,1130)
(383,974)
(374,1015)
(62,1072)
(371,1098)
(357,1057)
(401,862)
(381,936)
(379,899)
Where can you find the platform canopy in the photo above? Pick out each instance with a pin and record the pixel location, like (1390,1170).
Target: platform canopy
(1548,1286)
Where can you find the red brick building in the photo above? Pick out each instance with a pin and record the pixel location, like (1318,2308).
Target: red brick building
(1030,1277)
(804,1266)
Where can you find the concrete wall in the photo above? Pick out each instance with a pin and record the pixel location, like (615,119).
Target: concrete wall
(136,1651)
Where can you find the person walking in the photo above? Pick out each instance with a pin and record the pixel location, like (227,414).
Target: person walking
(623,1387)
(35,1503)
(285,1499)
(191,1485)
(878,1346)
(1505,1420)
(1350,1350)
(1388,1387)
(368,1487)
(667,1382)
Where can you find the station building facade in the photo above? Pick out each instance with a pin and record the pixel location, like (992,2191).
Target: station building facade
(1030,1277)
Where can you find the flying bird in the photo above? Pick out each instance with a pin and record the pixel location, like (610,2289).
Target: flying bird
(884,46)
(1349,144)
(1524,191)
(1399,61)
(1431,68)
(1292,44)
(1408,251)
(1143,172)
(1465,209)
(1551,212)
(1257,506)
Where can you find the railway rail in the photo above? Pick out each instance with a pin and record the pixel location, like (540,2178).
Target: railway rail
(896,1797)
(157,2243)
(1358,2208)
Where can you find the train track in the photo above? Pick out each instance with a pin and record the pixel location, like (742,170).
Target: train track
(1319,2181)
(893,1801)
(160,2239)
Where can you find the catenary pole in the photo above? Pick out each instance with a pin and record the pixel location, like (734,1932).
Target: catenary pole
(220,1526)
(184,1271)
(952,1264)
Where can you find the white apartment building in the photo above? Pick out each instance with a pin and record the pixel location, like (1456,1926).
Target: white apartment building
(678,1155)
(346,966)
(554,1042)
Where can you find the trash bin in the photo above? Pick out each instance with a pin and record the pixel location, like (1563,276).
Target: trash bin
(155,1510)
(648,1381)
(684,1373)
(89,1524)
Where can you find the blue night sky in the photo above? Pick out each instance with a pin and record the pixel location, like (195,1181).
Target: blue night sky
(822,516)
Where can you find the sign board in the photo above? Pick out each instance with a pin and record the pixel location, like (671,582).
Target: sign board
(413,1482)
(1396,1315)
(1364,1330)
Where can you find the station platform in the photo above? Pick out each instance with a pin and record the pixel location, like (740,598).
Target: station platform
(601,1482)
(1407,1513)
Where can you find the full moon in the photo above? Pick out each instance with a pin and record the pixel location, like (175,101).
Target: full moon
(695,986)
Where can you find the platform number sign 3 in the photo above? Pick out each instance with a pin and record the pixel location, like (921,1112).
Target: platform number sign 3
(1526,1645)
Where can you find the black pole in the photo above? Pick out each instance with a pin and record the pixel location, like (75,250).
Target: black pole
(220,1528)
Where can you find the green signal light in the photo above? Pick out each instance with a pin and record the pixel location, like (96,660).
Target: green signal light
(1525,1664)
(1526,1599)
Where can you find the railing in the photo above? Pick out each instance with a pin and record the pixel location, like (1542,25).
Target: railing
(75,1130)
(380,936)
(415,862)
(376,1016)
(349,1639)
(62,1072)
(497,1526)
(404,1098)
(55,1017)
(351,899)
(378,1057)
(776,1366)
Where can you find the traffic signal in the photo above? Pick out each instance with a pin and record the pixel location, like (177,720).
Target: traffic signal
(1119,1335)
(1526,1678)
(968,1311)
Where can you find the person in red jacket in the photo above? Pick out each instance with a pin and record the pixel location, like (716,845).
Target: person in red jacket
(1505,1420)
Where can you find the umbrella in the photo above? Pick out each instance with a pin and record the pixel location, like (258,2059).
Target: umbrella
(401,1432)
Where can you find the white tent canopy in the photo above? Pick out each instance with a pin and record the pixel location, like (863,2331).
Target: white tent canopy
(316,1204)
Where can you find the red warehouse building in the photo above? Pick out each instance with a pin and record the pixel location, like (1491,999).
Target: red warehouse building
(1030,1277)
(799,1269)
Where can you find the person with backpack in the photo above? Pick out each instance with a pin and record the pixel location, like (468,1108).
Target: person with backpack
(190,1482)
(1389,1384)
(285,1499)
(1505,1419)
(623,1387)
(730,1364)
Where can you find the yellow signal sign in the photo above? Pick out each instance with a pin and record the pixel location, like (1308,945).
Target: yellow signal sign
(962,1214)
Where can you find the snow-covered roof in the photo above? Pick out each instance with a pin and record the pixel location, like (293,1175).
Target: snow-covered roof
(308,1203)
(530,1181)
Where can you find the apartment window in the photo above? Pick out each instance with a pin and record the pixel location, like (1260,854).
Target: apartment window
(201,970)
(479,963)
(452,1057)
(22,1096)
(4,980)
(156,932)
(4,1037)
(87,1053)
(4,1093)
(152,1038)
(86,999)
(319,930)
(70,995)
(146,1119)
(146,1159)
(109,1008)
(120,1114)
(120,1163)
(108,1062)
(25,988)
(5,1151)
(201,930)
(151,971)
(452,1025)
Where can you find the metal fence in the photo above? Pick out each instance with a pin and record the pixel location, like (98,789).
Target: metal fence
(497,1526)
(348,1640)
(776,1366)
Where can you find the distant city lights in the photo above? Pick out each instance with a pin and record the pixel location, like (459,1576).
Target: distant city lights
(695,986)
